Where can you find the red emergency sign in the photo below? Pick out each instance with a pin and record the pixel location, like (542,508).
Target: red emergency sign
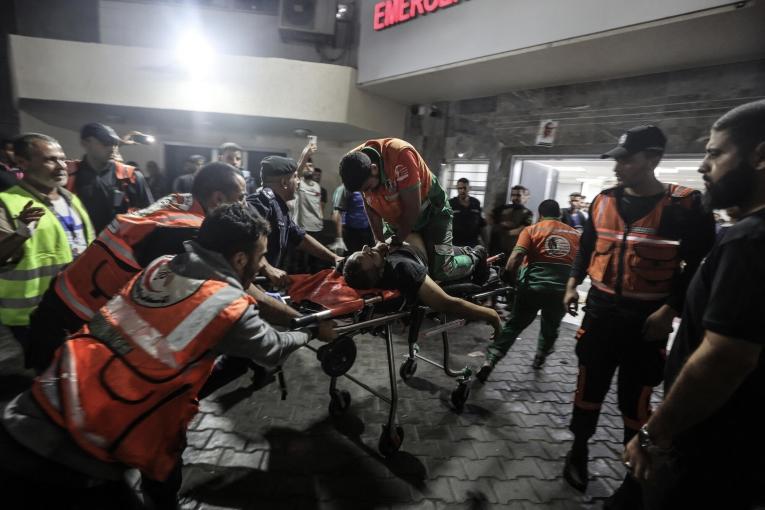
(392,12)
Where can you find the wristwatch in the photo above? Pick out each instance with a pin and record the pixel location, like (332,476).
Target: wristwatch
(644,438)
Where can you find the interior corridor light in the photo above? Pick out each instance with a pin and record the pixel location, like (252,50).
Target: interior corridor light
(193,50)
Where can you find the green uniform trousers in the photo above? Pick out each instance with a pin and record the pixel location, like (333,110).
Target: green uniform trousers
(525,307)
(445,261)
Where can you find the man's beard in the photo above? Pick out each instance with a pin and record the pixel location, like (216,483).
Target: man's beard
(732,189)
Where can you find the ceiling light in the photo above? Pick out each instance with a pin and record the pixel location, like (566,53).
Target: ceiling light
(302,132)
(193,50)
(688,168)
(460,154)
(661,170)
(570,168)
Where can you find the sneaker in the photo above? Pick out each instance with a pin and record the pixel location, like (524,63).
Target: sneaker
(628,496)
(539,360)
(575,470)
(481,270)
(261,377)
(484,372)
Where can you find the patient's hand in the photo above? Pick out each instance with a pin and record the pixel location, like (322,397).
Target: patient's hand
(327,331)
(277,277)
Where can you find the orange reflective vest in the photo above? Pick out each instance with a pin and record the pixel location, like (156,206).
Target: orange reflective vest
(125,386)
(109,262)
(125,175)
(635,260)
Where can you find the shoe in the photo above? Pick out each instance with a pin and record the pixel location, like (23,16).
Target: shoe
(575,470)
(628,496)
(484,372)
(481,270)
(539,360)
(261,377)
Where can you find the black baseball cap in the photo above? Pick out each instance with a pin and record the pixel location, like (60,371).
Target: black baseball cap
(637,139)
(100,132)
(277,166)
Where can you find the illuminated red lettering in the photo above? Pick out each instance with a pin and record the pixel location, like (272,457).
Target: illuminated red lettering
(403,10)
(416,8)
(379,19)
(445,3)
(391,12)
(431,5)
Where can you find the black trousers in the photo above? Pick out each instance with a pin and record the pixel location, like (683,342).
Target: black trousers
(611,337)
(49,326)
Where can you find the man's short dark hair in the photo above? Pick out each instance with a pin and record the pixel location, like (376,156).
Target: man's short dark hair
(549,208)
(355,275)
(232,228)
(229,146)
(464,181)
(317,169)
(195,158)
(22,145)
(744,124)
(576,194)
(355,169)
(518,187)
(212,177)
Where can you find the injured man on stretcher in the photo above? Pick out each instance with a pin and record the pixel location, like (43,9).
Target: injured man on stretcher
(402,268)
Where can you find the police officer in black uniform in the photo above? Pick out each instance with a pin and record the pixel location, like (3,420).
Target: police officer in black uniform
(280,183)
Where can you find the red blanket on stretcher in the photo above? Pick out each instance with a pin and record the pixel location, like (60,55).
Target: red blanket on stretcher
(328,289)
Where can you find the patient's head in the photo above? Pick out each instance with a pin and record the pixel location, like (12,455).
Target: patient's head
(364,269)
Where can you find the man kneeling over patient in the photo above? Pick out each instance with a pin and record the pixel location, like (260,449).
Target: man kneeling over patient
(403,269)
(122,391)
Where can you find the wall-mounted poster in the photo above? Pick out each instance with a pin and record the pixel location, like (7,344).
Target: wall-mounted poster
(546,134)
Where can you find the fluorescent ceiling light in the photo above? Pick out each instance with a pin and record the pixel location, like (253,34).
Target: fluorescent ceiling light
(570,169)
(663,170)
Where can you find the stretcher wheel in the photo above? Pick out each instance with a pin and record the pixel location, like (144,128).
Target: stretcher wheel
(388,444)
(459,397)
(340,401)
(338,357)
(408,368)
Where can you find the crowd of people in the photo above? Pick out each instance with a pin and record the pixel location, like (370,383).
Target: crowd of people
(130,309)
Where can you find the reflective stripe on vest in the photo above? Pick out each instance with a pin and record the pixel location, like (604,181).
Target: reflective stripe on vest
(44,254)
(125,388)
(646,260)
(109,263)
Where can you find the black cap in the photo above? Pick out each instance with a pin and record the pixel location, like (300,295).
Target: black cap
(100,132)
(637,139)
(277,166)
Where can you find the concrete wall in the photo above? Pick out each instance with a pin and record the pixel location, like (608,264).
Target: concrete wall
(328,157)
(591,116)
(232,32)
(481,28)
(150,78)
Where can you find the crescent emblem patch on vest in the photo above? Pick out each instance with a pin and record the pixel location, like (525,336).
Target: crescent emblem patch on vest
(556,246)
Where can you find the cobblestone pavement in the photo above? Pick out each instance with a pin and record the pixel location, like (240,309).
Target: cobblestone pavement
(253,450)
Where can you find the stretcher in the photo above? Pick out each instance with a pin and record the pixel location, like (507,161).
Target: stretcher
(325,296)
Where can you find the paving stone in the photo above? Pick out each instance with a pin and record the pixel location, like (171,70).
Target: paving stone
(517,468)
(198,438)
(514,490)
(222,439)
(194,456)
(231,458)
(475,469)
(438,488)
(446,467)
(473,491)
(486,449)
(210,421)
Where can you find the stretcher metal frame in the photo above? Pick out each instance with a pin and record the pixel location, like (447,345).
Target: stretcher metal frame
(392,435)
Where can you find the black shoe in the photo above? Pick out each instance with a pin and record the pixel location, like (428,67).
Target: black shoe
(539,360)
(261,377)
(575,470)
(628,496)
(484,372)
(481,270)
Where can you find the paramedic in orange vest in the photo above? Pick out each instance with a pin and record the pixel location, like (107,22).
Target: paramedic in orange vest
(402,194)
(122,391)
(546,250)
(640,246)
(124,248)
(104,184)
